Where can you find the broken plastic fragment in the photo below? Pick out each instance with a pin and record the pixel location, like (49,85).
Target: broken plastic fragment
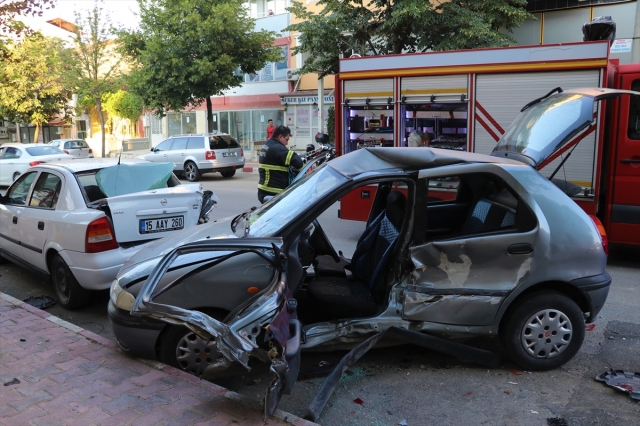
(468,393)
(623,381)
(515,372)
(12,382)
(403,423)
(590,327)
(40,302)
(358,401)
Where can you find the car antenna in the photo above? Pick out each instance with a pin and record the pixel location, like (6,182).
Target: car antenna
(120,154)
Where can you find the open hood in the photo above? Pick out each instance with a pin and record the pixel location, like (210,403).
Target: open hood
(548,123)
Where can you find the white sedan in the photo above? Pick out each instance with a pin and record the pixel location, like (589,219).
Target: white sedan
(15,158)
(78,222)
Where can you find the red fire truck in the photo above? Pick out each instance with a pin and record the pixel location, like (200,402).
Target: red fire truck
(466,99)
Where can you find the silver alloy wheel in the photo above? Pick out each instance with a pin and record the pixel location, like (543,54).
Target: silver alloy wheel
(546,334)
(190,172)
(194,354)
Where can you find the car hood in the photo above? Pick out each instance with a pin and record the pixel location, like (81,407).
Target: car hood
(548,123)
(212,230)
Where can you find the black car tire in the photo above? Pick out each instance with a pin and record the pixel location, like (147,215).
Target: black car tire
(183,349)
(69,293)
(191,172)
(543,331)
(228,173)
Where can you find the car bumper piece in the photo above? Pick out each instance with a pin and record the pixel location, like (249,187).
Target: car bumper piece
(596,290)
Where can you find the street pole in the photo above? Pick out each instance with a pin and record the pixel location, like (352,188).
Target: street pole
(320,105)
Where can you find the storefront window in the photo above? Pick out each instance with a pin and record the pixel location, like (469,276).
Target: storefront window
(259,120)
(181,123)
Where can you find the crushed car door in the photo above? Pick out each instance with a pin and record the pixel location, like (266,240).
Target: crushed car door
(264,326)
(475,249)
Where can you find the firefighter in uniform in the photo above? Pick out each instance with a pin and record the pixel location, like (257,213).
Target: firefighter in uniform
(275,160)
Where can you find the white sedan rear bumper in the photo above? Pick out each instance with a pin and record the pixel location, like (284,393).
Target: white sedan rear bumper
(96,271)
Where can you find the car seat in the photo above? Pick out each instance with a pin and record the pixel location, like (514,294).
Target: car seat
(488,214)
(351,295)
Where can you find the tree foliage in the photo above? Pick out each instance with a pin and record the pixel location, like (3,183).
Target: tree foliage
(96,69)
(189,50)
(381,27)
(11,9)
(123,104)
(31,86)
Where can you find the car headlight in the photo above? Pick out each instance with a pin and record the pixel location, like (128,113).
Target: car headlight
(120,297)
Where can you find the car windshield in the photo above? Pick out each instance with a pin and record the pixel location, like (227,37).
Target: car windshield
(543,128)
(43,150)
(301,195)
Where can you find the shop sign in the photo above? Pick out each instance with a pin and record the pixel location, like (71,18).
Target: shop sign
(621,45)
(305,100)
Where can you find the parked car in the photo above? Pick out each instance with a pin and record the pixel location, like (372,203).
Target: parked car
(77,222)
(15,158)
(457,245)
(75,147)
(193,155)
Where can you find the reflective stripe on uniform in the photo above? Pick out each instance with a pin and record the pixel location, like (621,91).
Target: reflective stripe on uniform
(288,160)
(267,167)
(269,189)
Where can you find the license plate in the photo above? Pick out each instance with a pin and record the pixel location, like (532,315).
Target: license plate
(148,226)
(228,154)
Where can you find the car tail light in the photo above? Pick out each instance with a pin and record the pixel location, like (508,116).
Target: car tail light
(35,163)
(241,152)
(100,236)
(90,151)
(211,155)
(602,232)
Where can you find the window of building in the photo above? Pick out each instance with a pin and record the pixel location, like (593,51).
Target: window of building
(181,123)
(272,71)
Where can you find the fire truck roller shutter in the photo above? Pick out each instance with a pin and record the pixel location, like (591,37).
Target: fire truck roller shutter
(499,99)
(443,88)
(375,91)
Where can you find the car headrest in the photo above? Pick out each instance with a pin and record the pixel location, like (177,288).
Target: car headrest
(396,204)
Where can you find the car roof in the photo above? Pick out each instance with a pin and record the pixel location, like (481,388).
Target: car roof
(84,164)
(199,134)
(23,145)
(368,159)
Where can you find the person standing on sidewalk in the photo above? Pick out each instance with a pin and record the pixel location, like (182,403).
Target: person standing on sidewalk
(275,159)
(270,128)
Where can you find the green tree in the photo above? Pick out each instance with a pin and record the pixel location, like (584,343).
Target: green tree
(11,9)
(381,27)
(189,50)
(97,69)
(123,104)
(31,85)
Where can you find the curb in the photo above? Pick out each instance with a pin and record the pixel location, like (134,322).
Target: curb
(249,169)
(203,384)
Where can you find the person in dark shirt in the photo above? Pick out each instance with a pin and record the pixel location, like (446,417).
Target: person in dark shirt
(275,159)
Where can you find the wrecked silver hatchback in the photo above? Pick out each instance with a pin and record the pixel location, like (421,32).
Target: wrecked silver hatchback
(456,245)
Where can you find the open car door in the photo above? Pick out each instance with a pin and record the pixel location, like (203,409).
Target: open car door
(264,326)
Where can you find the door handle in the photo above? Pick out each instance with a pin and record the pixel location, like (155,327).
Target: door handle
(521,248)
(41,225)
(630,160)
(15,219)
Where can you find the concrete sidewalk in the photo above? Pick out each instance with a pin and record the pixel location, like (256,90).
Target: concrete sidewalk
(56,373)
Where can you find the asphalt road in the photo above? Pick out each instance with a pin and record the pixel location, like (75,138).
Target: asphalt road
(420,387)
